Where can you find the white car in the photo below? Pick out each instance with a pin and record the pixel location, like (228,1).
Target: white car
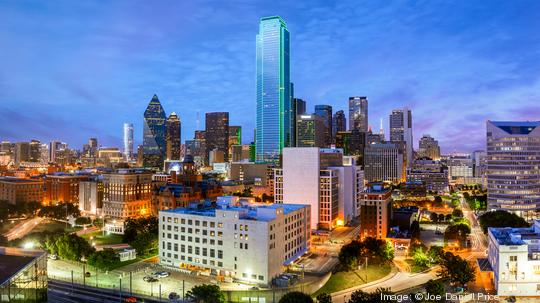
(161,274)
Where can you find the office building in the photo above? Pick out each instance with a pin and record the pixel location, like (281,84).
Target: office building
(236,240)
(513,172)
(22,152)
(358,113)
(127,193)
(339,123)
(242,153)
(23,275)
(91,197)
(323,179)
(428,147)
(479,163)
(353,143)
(62,188)
(235,138)
(384,162)
(514,259)
(430,174)
(460,168)
(375,211)
(325,112)
(310,131)
(275,122)
(173,137)
(154,135)
(57,152)
(128,141)
(16,190)
(217,134)
(374,138)
(401,131)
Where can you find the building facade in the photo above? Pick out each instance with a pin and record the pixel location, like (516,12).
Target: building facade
(339,124)
(275,120)
(401,131)
(174,137)
(127,194)
(217,134)
(384,162)
(429,147)
(154,133)
(91,197)
(325,112)
(310,131)
(128,141)
(62,188)
(16,190)
(375,211)
(358,113)
(513,166)
(250,243)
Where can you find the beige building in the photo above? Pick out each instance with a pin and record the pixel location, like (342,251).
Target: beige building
(15,190)
(127,193)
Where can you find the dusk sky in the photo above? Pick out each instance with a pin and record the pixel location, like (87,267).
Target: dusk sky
(71,70)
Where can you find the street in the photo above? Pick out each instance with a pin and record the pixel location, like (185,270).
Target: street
(22,229)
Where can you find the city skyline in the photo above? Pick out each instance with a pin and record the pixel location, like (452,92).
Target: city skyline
(86,82)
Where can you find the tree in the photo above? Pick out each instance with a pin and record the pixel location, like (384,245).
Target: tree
(360,296)
(436,288)
(73,247)
(415,230)
(438,202)
(296,297)
(349,255)
(501,218)
(143,243)
(448,217)
(456,269)
(83,221)
(105,259)
(206,293)
(324,298)
(133,227)
(435,253)
(457,213)
(458,231)
(441,218)
(434,217)
(421,258)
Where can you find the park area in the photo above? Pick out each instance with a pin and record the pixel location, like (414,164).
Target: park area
(346,279)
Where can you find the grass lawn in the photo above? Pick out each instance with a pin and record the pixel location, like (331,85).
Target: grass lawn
(415,268)
(343,280)
(103,240)
(54,226)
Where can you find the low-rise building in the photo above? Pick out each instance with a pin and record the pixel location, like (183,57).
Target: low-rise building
(235,239)
(23,275)
(514,256)
(63,188)
(17,190)
(91,197)
(375,211)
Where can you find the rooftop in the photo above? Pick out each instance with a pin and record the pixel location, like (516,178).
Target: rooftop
(515,236)
(13,260)
(517,127)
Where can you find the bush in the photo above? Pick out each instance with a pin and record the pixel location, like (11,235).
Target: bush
(501,218)
(296,297)
(104,260)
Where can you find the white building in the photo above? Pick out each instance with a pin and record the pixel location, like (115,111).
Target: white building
(248,242)
(322,178)
(514,256)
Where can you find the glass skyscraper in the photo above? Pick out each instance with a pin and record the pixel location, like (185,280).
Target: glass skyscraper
(154,132)
(274,90)
(358,113)
(128,141)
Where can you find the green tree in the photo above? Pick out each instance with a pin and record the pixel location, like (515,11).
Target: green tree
(296,297)
(360,296)
(349,255)
(436,288)
(441,218)
(501,218)
(438,202)
(456,269)
(421,258)
(206,293)
(83,221)
(324,298)
(435,253)
(105,259)
(434,217)
(457,213)
(143,243)
(415,230)
(458,231)
(73,247)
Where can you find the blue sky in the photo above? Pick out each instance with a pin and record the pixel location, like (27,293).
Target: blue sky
(71,70)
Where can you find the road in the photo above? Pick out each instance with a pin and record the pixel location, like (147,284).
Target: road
(22,229)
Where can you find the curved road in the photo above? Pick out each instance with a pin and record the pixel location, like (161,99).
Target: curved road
(22,229)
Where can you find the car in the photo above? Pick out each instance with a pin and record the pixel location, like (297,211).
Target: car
(87,274)
(149,279)
(161,274)
(174,296)
(130,300)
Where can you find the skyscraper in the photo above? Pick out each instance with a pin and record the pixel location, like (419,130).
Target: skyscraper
(128,141)
(429,147)
(513,172)
(174,140)
(274,115)
(339,123)
(310,131)
(401,131)
(358,113)
(325,112)
(217,133)
(154,131)
(298,108)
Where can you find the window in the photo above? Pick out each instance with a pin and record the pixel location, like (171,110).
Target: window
(513,258)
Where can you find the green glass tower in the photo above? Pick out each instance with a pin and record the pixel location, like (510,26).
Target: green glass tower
(274,90)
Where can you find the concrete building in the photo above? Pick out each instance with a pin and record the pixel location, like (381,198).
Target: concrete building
(375,211)
(429,147)
(127,193)
(513,166)
(514,258)
(249,172)
(242,153)
(91,197)
(401,131)
(16,190)
(310,131)
(322,179)
(460,168)
(384,162)
(430,173)
(235,240)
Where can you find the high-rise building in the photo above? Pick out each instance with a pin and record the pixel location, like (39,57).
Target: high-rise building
(429,147)
(298,108)
(310,131)
(358,113)
(353,143)
(375,211)
(339,124)
(460,168)
(93,147)
(173,137)
(513,166)
(325,112)
(217,133)
(91,197)
(235,138)
(128,141)
(22,152)
(324,179)
(401,131)
(384,162)
(154,133)
(274,127)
